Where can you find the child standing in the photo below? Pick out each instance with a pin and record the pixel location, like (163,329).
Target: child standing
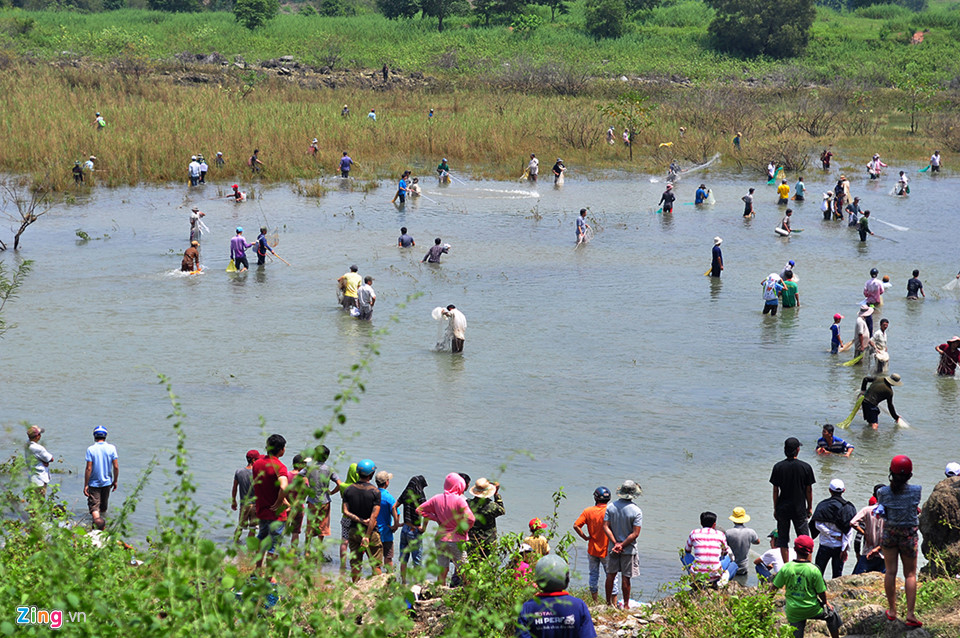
(836,343)
(899,507)
(536,541)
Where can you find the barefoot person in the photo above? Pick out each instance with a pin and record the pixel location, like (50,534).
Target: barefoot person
(191,258)
(901,503)
(880,389)
(949,356)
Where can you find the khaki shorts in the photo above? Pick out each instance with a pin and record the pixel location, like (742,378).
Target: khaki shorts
(626,564)
(248,517)
(319,520)
(99,498)
(373,550)
(449,552)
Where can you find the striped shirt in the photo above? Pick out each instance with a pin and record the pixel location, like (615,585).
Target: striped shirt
(707,545)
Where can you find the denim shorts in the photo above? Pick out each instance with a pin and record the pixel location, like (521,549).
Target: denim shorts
(273,529)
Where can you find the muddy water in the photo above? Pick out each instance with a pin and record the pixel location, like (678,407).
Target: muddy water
(615,360)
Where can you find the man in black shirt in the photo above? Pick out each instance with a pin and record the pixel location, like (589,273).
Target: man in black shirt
(361,505)
(667,199)
(792,481)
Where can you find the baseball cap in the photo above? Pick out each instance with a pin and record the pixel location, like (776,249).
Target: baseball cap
(536,523)
(774,535)
(239,229)
(35,430)
(99,431)
(952,469)
(804,543)
(836,485)
(252,455)
(838,316)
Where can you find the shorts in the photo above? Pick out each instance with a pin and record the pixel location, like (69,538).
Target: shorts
(345,526)
(800,526)
(411,546)
(296,526)
(668,208)
(373,549)
(387,551)
(241,261)
(771,308)
(798,198)
(99,498)
(247,518)
(903,539)
(871,413)
(782,201)
(934,169)
(319,522)
(273,529)
(628,565)
(457,345)
(449,552)
(832,617)
(348,303)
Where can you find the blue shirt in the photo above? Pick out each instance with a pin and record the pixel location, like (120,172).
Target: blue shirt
(346,163)
(839,446)
(900,510)
(405,241)
(402,187)
(102,455)
(385,517)
(799,188)
(558,615)
(717,256)
(701,196)
(581,226)
(835,334)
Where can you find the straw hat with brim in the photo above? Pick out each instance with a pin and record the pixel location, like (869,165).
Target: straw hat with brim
(629,490)
(953,339)
(739,515)
(865,312)
(893,379)
(483,488)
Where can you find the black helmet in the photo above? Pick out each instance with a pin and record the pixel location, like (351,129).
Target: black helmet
(601,495)
(874,272)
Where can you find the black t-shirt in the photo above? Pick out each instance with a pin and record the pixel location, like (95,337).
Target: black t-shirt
(360,499)
(668,198)
(792,476)
(914,287)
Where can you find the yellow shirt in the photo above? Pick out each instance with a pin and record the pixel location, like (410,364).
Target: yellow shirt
(351,281)
(784,191)
(538,544)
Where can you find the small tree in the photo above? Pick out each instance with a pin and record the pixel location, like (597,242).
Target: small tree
(918,90)
(606,18)
(629,111)
(393,9)
(24,203)
(778,28)
(556,6)
(441,9)
(9,287)
(253,14)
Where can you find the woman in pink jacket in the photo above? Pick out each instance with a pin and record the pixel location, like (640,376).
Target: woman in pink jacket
(451,512)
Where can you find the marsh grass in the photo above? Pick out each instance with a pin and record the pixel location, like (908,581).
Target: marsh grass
(154,125)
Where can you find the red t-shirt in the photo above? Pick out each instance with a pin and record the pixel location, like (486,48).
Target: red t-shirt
(266,487)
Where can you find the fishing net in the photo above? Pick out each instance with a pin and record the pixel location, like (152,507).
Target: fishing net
(444,335)
(710,162)
(274,238)
(953,286)
(711,200)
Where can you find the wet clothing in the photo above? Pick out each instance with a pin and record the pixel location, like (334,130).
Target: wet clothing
(837,446)
(914,288)
(667,199)
(262,248)
(878,392)
(790,294)
(747,205)
(700,196)
(863,226)
(405,241)
(345,164)
(433,254)
(853,213)
(835,341)
(716,262)
(948,360)
(191,260)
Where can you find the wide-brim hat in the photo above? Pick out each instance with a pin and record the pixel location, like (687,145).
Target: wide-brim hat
(953,339)
(739,515)
(717,241)
(893,379)
(865,312)
(483,488)
(629,490)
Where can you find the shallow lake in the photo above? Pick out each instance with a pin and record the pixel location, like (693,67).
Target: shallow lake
(616,360)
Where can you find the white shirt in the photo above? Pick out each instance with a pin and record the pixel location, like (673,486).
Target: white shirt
(365,295)
(458,323)
(773,557)
(88,165)
(830,536)
(203,167)
(194,168)
(534,166)
(934,160)
(37,453)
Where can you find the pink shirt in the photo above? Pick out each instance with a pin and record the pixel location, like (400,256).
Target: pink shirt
(707,545)
(449,510)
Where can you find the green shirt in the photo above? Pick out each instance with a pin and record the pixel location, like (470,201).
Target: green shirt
(864,224)
(789,297)
(803,582)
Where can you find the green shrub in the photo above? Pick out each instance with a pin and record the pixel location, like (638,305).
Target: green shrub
(777,28)
(254,14)
(606,18)
(882,12)
(690,13)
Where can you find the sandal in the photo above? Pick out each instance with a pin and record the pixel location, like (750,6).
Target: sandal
(890,615)
(912,624)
